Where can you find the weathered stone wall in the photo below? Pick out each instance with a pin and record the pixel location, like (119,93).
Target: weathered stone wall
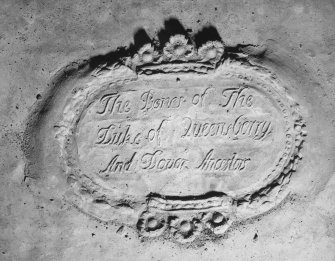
(49,50)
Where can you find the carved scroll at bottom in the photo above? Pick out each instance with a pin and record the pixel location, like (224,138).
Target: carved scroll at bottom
(185,219)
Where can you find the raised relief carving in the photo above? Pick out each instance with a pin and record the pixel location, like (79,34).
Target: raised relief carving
(181,159)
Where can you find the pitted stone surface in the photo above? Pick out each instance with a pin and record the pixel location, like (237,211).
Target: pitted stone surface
(58,61)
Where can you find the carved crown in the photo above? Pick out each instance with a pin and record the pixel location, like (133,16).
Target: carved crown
(179,54)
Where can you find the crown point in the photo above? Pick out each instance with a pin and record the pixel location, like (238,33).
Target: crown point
(211,51)
(178,52)
(178,48)
(147,53)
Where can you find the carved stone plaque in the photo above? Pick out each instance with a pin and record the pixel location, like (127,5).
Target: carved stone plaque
(179,143)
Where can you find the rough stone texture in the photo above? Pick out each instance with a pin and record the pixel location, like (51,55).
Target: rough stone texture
(39,39)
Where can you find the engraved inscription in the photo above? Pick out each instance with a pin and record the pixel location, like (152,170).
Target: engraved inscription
(218,164)
(183,156)
(152,102)
(203,131)
(111,103)
(156,160)
(239,127)
(236,98)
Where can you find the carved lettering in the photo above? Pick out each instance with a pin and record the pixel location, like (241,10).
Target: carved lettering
(236,98)
(116,164)
(115,134)
(151,102)
(241,127)
(187,140)
(111,103)
(155,126)
(233,163)
(156,161)
(198,99)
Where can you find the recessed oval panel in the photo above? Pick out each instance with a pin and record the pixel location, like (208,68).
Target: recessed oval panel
(183,137)
(170,138)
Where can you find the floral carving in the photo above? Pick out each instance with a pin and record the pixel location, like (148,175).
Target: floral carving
(211,52)
(216,222)
(178,48)
(178,54)
(184,229)
(146,54)
(151,225)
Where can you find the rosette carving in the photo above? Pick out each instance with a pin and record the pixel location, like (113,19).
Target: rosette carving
(178,54)
(211,52)
(178,48)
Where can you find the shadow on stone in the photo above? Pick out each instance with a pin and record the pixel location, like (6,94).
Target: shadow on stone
(171,27)
(141,38)
(208,33)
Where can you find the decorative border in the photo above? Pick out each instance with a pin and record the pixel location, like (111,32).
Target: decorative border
(178,55)
(161,215)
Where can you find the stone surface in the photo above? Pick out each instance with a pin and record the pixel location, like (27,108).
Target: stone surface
(101,158)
